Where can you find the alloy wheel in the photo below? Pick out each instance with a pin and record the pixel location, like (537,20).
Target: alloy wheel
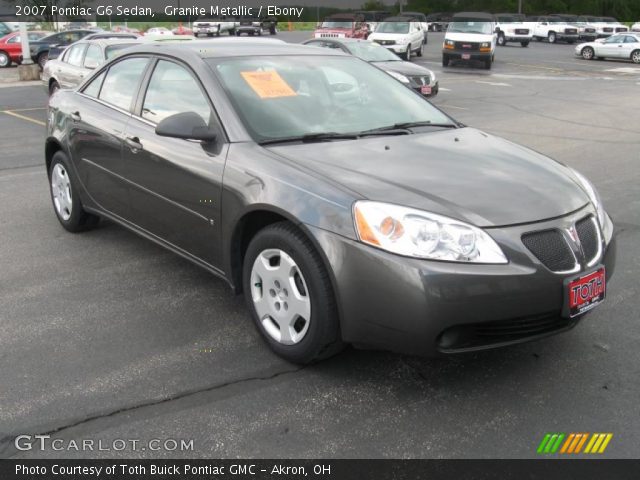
(587,53)
(635,56)
(61,191)
(280,296)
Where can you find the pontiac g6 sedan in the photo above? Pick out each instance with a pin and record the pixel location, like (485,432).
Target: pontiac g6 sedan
(345,206)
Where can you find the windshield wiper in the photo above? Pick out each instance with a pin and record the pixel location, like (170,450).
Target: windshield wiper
(405,126)
(311,137)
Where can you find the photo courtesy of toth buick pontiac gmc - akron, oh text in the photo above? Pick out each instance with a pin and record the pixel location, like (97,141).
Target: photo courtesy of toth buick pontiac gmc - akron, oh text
(344,206)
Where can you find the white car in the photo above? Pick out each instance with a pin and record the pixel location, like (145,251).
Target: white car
(635,27)
(470,37)
(554,29)
(214,26)
(160,31)
(510,29)
(621,45)
(401,35)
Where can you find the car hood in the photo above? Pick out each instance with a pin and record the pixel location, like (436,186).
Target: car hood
(406,68)
(461,173)
(387,36)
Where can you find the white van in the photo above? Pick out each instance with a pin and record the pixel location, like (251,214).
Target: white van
(471,36)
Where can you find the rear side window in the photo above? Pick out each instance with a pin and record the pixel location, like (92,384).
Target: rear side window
(121,82)
(172,89)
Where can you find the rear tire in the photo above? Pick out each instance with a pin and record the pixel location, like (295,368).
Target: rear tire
(552,37)
(63,188)
(42,59)
(635,56)
(283,273)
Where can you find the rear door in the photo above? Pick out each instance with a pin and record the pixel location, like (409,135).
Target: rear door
(71,65)
(96,134)
(175,185)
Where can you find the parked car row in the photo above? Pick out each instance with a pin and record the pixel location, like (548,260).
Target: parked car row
(216,26)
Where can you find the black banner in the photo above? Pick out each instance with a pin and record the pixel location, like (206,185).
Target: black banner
(543,469)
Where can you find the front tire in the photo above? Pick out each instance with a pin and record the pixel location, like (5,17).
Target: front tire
(289,295)
(487,64)
(53,87)
(420,50)
(42,59)
(588,53)
(502,41)
(407,55)
(524,44)
(445,60)
(64,196)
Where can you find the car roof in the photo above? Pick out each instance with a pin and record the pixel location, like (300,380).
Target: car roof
(231,48)
(399,18)
(104,42)
(473,16)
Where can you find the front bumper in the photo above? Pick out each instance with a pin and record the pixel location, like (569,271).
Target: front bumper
(206,30)
(473,55)
(435,87)
(397,48)
(249,29)
(423,307)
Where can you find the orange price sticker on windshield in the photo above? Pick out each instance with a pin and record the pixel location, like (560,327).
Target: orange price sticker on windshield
(268,84)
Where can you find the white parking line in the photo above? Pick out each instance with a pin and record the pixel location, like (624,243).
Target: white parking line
(495,84)
(624,70)
(442,89)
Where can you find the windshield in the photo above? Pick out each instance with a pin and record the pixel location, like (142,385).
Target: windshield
(290,96)
(470,27)
(336,24)
(393,27)
(508,20)
(372,52)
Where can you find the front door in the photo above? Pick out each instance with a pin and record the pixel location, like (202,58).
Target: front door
(175,185)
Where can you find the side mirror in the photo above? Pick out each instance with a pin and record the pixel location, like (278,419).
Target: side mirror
(187,125)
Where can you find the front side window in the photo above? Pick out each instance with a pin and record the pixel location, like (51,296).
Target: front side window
(75,54)
(121,82)
(172,89)
(279,97)
(336,24)
(93,58)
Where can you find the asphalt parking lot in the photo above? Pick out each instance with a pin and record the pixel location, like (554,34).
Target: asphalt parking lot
(105,336)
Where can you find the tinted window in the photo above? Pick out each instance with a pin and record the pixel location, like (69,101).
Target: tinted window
(172,89)
(111,50)
(93,89)
(122,81)
(631,40)
(93,58)
(75,54)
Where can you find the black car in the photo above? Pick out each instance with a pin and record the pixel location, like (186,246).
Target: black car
(417,77)
(41,48)
(344,206)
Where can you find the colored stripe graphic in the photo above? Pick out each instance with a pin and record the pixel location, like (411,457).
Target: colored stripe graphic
(573,443)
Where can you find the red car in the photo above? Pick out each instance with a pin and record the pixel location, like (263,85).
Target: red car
(342,26)
(11,48)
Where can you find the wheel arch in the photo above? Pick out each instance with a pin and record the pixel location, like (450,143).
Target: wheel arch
(249,224)
(51,147)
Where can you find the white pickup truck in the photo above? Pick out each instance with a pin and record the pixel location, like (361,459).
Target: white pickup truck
(606,26)
(511,29)
(554,29)
(209,27)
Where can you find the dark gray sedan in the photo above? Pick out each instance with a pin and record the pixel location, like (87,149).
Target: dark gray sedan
(345,206)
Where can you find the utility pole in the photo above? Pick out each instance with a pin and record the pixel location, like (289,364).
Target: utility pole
(400,3)
(519,6)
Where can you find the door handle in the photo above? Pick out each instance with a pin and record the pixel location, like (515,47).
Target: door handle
(134,144)
(75,116)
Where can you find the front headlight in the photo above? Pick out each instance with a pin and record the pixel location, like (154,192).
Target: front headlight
(594,196)
(403,40)
(485,45)
(398,76)
(450,43)
(415,233)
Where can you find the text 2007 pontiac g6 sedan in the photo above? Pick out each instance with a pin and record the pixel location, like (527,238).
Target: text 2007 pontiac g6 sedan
(345,206)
